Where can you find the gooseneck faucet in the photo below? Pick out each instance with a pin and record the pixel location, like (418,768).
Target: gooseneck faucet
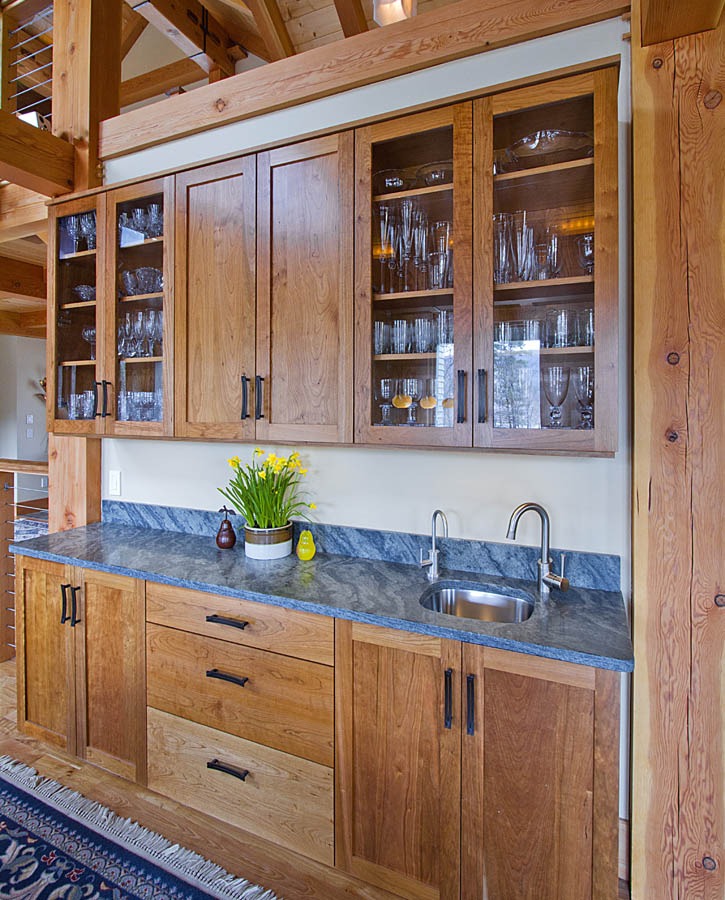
(432,563)
(547,578)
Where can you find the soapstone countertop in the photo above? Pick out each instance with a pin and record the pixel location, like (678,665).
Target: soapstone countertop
(582,626)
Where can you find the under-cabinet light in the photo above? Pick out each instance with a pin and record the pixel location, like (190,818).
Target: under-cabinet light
(385,12)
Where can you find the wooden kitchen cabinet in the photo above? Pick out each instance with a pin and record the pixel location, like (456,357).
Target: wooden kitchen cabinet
(468,771)
(80,668)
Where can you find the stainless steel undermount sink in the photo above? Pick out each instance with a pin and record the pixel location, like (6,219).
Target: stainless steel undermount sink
(469,602)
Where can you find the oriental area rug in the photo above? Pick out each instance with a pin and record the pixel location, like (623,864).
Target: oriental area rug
(56,844)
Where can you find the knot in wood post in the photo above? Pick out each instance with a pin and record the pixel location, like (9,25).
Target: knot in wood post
(673,358)
(709,863)
(672,436)
(712,99)
(720,600)
(657,62)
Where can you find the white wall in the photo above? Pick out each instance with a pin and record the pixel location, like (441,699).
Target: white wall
(22,364)
(8,433)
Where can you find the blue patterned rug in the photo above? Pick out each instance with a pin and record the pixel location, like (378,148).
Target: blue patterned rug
(56,844)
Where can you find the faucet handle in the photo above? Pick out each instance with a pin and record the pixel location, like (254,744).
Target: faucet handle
(423,561)
(563,563)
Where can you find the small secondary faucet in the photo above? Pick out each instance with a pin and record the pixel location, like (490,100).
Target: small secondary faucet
(432,563)
(547,578)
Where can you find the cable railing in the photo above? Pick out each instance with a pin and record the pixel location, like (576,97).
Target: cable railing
(27,61)
(23,514)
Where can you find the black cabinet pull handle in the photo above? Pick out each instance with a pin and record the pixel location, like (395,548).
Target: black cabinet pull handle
(96,414)
(105,384)
(258,386)
(470,704)
(223,620)
(64,617)
(461,417)
(245,397)
(241,774)
(482,396)
(448,700)
(241,680)
(74,617)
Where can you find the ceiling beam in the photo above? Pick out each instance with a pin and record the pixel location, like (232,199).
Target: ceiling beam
(34,159)
(22,280)
(190,27)
(229,14)
(351,16)
(133,26)
(22,213)
(268,20)
(158,81)
(665,20)
(452,32)
(32,324)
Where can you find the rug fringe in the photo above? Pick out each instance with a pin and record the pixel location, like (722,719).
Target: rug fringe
(187,863)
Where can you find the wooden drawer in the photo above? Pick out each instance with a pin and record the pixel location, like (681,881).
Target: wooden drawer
(283,798)
(293,633)
(284,703)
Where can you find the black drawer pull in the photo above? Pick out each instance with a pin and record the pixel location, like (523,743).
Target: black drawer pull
(470,704)
(74,617)
(105,384)
(258,383)
(64,617)
(448,699)
(224,620)
(241,680)
(95,414)
(482,396)
(245,397)
(241,774)
(461,417)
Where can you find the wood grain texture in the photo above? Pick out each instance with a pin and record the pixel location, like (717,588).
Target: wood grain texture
(352,17)
(538,667)
(272,28)
(663,20)
(22,212)
(158,81)
(7,567)
(679,132)
(286,703)
(215,299)
(453,32)
(22,279)
(283,799)
(34,159)
(74,482)
(398,775)
(304,290)
(285,631)
(605,813)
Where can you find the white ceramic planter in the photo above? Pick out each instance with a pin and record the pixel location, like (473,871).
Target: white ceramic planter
(268,543)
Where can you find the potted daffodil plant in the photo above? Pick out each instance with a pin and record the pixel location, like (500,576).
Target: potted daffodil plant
(267,493)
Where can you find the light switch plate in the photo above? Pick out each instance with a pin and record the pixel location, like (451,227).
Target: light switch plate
(29,419)
(114,482)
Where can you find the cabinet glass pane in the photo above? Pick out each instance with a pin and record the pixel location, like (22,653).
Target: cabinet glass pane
(543,267)
(75,325)
(140,309)
(413,248)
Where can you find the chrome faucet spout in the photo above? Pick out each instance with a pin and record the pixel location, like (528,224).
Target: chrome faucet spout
(432,562)
(547,579)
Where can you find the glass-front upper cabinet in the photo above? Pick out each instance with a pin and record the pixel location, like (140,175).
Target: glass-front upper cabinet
(138,323)
(547,265)
(413,280)
(75,388)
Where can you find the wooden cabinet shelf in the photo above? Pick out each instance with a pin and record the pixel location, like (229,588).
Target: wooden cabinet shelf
(141,359)
(79,304)
(564,188)
(81,254)
(571,286)
(144,243)
(134,298)
(403,357)
(78,362)
(413,295)
(539,171)
(413,192)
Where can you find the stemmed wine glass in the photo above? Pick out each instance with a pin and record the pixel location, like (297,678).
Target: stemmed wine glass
(555,380)
(385,394)
(73,230)
(412,388)
(585,246)
(584,390)
(155,220)
(88,229)
(89,336)
(387,262)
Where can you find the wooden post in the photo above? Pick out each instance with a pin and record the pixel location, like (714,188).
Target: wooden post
(86,78)
(7,577)
(74,481)
(678,813)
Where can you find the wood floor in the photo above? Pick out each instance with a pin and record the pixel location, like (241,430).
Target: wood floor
(291,876)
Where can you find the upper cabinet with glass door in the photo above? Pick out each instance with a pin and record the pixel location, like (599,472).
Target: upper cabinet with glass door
(138,320)
(413,278)
(75,387)
(546,268)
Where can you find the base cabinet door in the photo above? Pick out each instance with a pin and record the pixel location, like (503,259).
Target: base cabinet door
(398,760)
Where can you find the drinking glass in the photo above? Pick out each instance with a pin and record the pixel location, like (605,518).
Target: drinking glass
(553,243)
(385,236)
(438,270)
(541,261)
(585,327)
(583,377)
(87,403)
(585,247)
(407,214)
(129,282)
(149,331)
(139,221)
(73,230)
(155,220)
(158,332)
(400,336)
(420,251)
(384,394)
(381,338)
(412,389)
(503,262)
(428,399)
(559,327)
(89,336)
(137,330)
(445,326)
(555,380)
(422,334)
(88,229)
(523,244)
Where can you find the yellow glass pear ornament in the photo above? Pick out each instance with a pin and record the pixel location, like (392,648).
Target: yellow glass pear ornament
(306,546)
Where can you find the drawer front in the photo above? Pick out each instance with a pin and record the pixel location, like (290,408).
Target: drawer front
(260,625)
(282,798)
(264,697)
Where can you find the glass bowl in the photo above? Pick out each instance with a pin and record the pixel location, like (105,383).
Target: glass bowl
(149,279)
(85,292)
(551,146)
(436,173)
(388,180)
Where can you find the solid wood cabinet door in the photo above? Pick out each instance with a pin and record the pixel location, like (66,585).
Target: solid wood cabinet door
(397,764)
(540,778)
(110,673)
(304,291)
(215,301)
(46,692)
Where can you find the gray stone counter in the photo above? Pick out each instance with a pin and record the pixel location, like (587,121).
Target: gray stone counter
(583,626)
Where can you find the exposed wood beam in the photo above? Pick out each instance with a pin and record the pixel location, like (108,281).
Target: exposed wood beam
(22,213)
(22,280)
(268,20)
(151,84)
(31,324)
(429,39)
(229,14)
(351,16)
(188,25)
(86,78)
(665,20)
(134,26)
(34,159)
